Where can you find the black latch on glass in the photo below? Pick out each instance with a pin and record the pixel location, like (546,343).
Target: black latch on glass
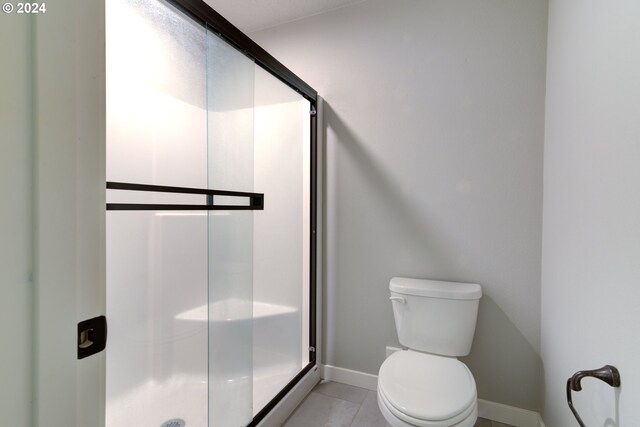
(92,336)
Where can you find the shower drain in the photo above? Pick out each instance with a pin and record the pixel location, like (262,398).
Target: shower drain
(176,422)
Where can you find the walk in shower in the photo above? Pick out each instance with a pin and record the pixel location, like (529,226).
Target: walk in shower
(210,220)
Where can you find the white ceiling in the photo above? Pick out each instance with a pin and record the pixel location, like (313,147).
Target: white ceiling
(254,15)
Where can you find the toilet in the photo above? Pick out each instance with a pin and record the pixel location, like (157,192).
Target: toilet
(426,385)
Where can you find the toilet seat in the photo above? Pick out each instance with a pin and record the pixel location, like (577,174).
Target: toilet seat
(394,421)
(427,390)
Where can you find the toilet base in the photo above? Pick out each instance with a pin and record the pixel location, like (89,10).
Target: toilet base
(396,422)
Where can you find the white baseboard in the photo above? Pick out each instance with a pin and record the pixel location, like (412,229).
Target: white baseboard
(508,414)
(347,376)
(490,410)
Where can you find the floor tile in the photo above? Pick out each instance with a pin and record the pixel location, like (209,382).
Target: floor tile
(332,404)
(369,414)
(319,410)
(341,391)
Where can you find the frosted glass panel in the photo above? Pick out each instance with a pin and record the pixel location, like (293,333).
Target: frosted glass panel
(157,262)
(230,318)
(230,83)
(157,350)
(208,311)
(230,91)
(156,118)
(281,236)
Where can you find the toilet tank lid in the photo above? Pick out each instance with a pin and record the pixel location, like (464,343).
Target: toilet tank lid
(435,288)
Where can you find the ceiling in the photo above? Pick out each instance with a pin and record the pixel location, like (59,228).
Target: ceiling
(254,15)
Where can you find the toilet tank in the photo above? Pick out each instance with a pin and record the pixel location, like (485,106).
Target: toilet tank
(435,316)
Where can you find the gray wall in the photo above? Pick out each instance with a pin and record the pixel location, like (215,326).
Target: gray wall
(434,143)
(591,238)
(16,289)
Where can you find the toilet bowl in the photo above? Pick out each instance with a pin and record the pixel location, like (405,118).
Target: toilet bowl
(426,385)
(420,389)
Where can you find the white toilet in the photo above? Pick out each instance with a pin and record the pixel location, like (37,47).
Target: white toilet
(427,385)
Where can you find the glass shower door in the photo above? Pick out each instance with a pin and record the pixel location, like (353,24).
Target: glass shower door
(230,134)
(156,266)
(179,221)
(208,302)
(281,237)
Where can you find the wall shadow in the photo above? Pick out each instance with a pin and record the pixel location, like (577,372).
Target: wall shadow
(362,192)
(388,196)
(506,367)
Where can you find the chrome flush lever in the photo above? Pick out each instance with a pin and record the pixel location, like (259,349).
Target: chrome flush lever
(399,299)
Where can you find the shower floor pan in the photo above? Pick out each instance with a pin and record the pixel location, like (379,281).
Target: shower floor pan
(184,396)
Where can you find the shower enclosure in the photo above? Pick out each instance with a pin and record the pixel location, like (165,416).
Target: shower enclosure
(211,154)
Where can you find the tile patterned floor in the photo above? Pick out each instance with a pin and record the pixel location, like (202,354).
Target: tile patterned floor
(332,404)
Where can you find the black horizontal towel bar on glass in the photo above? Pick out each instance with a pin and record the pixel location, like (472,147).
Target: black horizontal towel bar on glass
(256,200)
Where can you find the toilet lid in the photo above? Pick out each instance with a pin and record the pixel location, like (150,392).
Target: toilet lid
(426,386)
